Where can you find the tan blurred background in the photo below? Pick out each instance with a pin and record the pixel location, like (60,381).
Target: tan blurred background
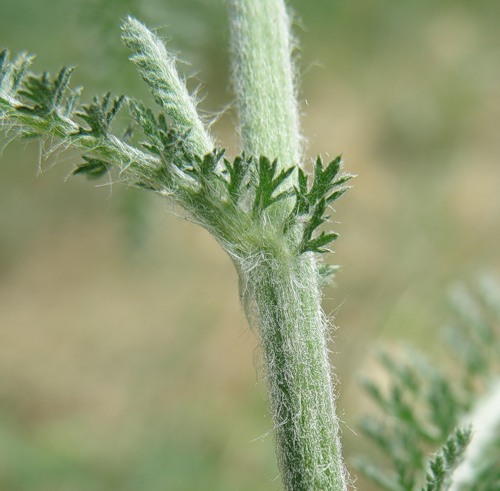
(125,360)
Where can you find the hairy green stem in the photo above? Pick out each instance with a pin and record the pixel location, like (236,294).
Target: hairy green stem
(282,291)
(110,148)
(157,68)
(284,300)
(263,79)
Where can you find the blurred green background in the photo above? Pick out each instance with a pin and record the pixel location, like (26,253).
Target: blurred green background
(125,359)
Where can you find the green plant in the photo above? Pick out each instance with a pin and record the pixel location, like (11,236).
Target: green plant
(265,211)
(260,206)
(450,409)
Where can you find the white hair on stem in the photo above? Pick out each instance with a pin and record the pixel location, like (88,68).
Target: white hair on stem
(263,75)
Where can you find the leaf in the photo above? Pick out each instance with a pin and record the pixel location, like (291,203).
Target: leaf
(335,195)
(45,95)
(323,180)
(4,59)
(161,140)
(19,70)
(93,168)
(312,203)
(208,164)
(237,172)
(97,115)
(315,220)
(424,406)
(268,183)
(13,74)
(144,117)
(444,462)
(318,244)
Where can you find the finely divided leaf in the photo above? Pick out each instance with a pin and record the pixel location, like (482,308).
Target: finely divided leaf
(46,95)
(237,172)
(97,115)
(268,184)
(311,203)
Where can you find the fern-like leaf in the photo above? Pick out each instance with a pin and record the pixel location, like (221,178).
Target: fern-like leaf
(45,95)
(269,181)
(98,115)
(441,466)
(312,202)
(425,406)
(237,172)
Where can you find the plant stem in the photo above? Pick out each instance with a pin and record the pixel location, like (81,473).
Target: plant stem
(157,68)
(284,299)
(281,290)
(124,156)
(263,79)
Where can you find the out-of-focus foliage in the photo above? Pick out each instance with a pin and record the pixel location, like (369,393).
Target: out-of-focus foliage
(428,408)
